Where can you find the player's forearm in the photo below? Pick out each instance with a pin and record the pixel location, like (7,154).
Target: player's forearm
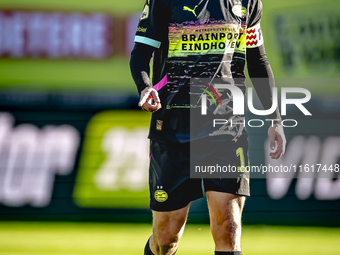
(140,65)
(259,67)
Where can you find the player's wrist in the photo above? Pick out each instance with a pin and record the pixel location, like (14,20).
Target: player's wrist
(144,89)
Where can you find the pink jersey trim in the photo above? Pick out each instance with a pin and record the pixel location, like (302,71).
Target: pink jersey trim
(161,84)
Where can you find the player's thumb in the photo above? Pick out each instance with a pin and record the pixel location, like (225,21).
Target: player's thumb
(155,96)
(143,99)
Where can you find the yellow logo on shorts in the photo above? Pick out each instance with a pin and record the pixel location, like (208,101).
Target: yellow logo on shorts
(161,195)
(159,125)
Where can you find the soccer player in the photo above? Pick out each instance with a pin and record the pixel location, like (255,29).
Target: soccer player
(199,39)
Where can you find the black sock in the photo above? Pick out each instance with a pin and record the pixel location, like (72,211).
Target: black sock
(147,250)
(228,252)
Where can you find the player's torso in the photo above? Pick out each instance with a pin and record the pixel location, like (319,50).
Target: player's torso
(206,39)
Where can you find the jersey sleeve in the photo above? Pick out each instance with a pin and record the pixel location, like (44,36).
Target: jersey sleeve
(153,24)
(254,36)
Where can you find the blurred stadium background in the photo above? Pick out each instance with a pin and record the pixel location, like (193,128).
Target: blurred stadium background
(73,147)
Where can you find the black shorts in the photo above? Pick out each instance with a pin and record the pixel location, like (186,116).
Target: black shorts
(171,187)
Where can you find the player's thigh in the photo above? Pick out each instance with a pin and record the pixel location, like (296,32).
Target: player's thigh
(225,207)
(168,227)
(226,195)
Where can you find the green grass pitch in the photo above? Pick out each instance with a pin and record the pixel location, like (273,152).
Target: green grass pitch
(129,239)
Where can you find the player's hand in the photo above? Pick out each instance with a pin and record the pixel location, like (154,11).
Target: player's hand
(145,100)
(277,137)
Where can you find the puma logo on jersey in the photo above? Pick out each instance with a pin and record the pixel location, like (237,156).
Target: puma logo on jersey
(186,8)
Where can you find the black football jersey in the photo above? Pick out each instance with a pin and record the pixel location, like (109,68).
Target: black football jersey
(197,39)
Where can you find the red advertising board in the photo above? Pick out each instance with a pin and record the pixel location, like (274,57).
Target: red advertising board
(53,34)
